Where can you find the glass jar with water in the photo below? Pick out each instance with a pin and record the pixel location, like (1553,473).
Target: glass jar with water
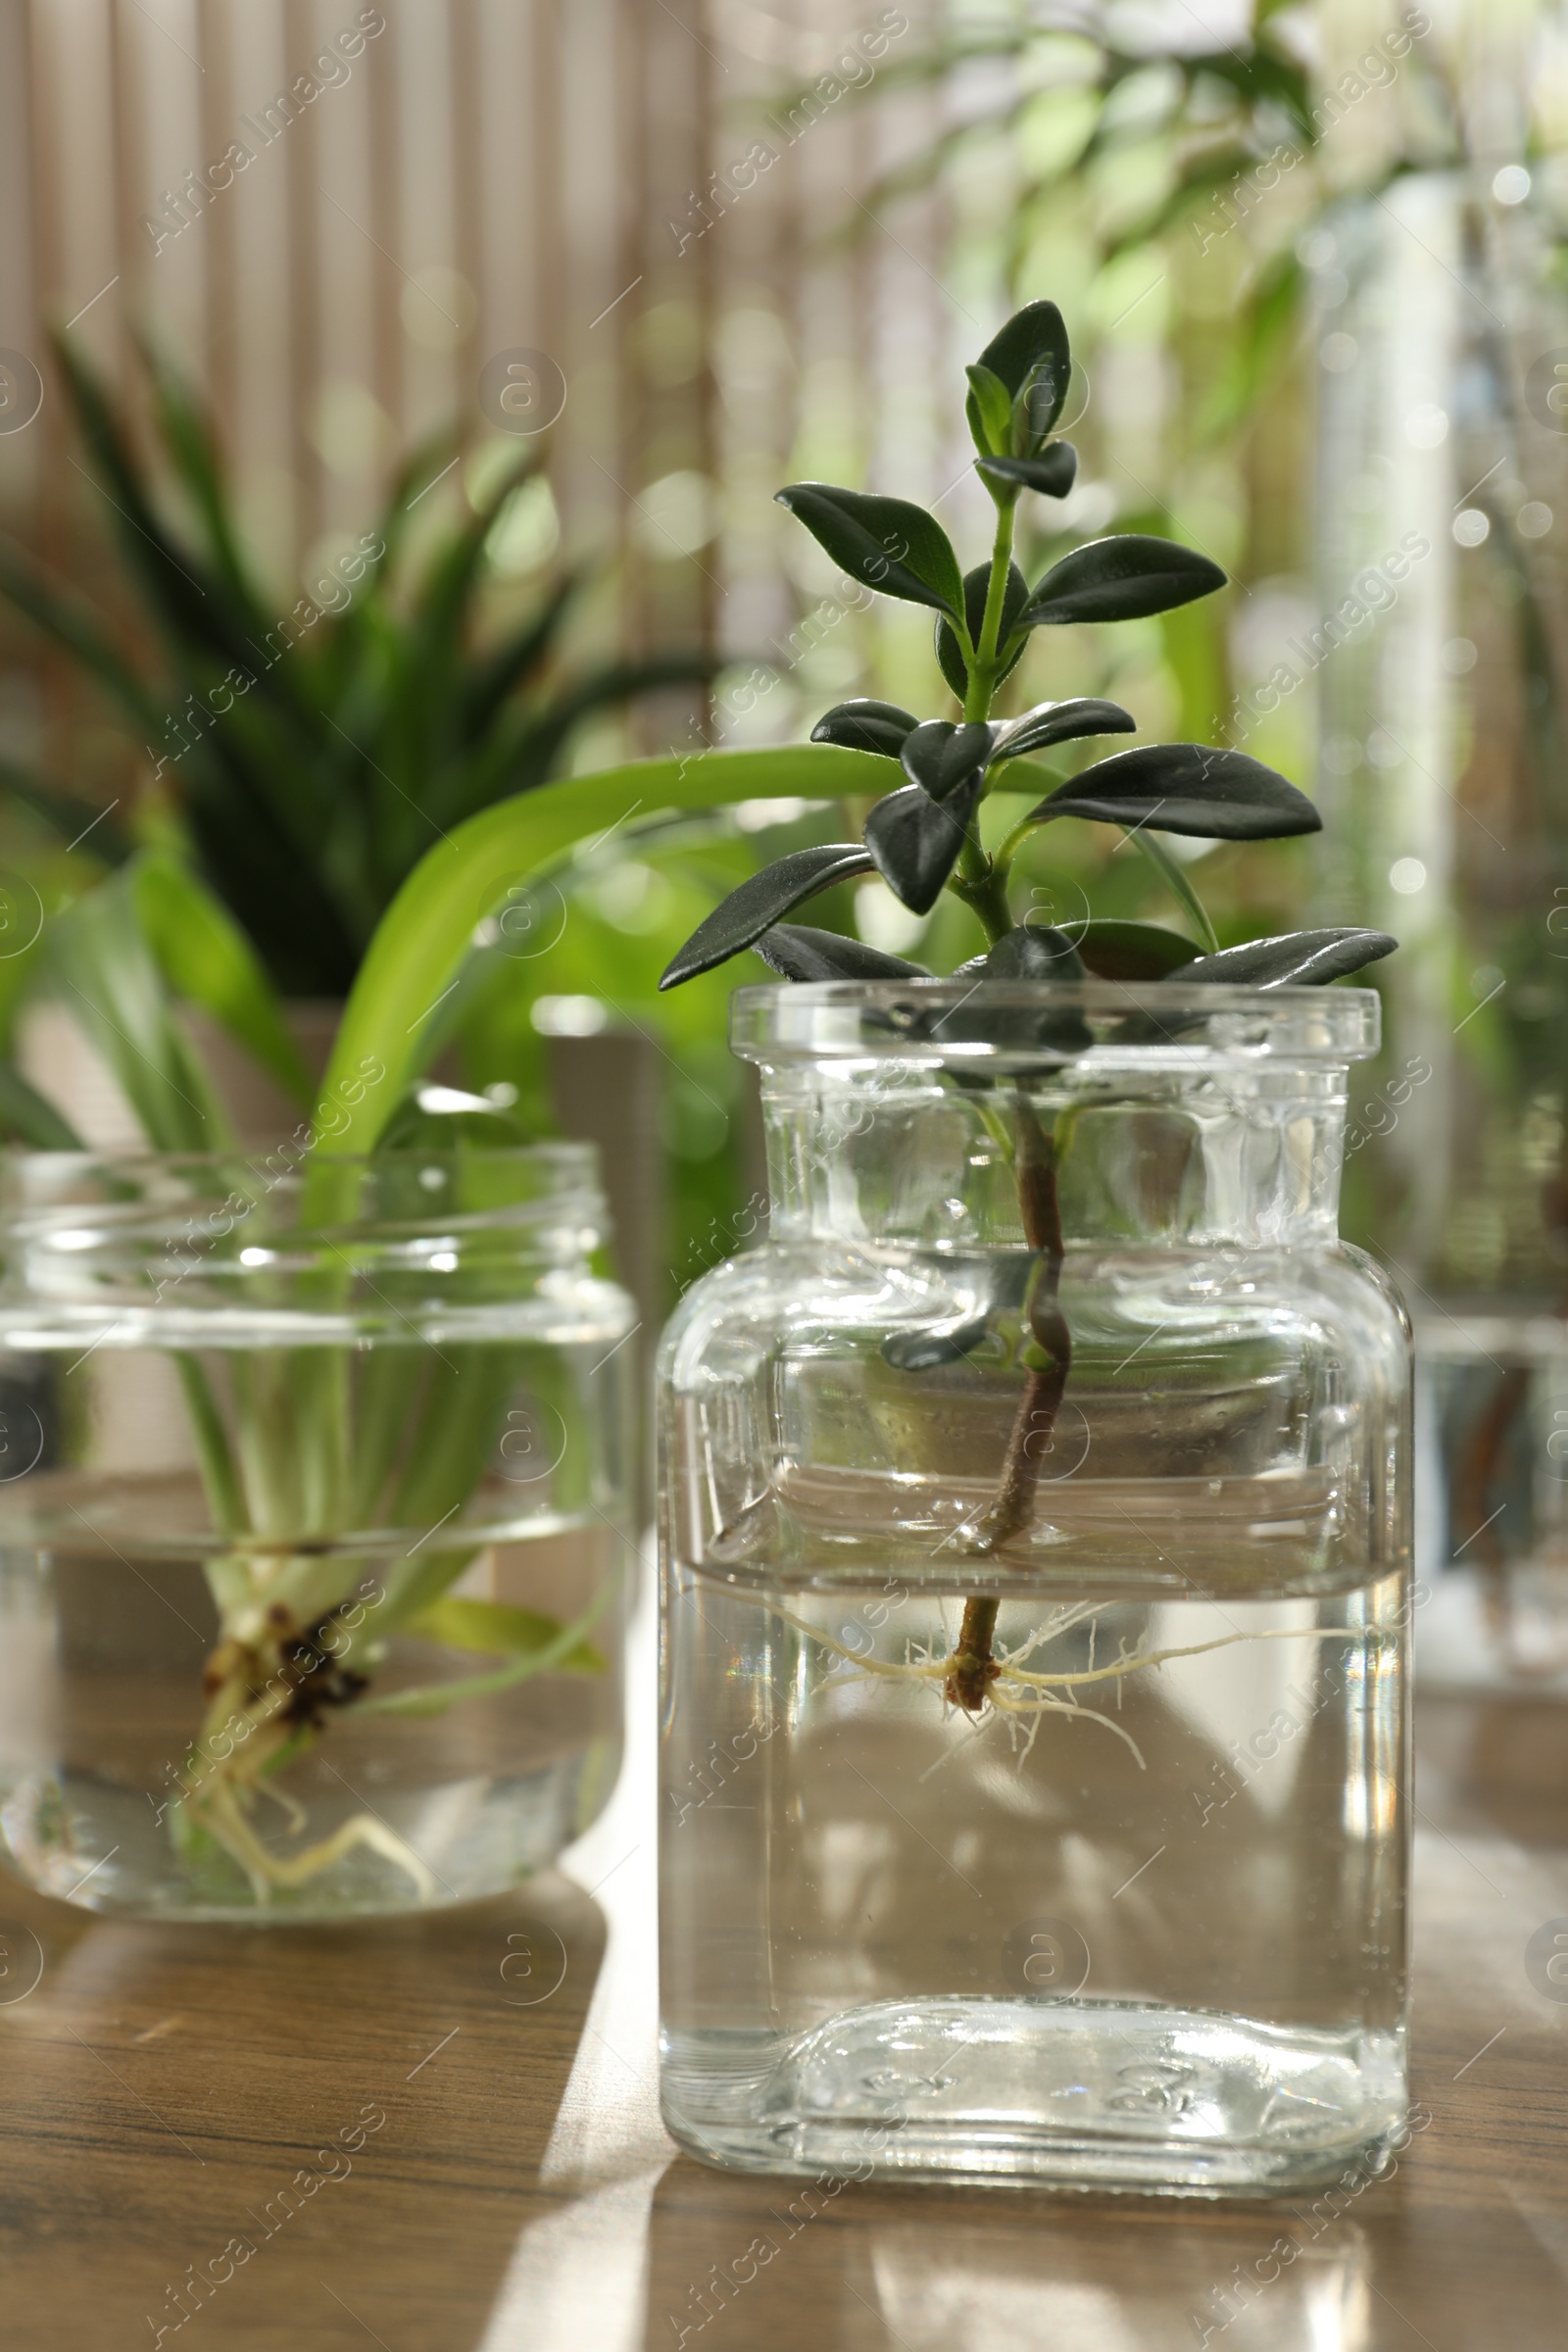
(1035,1605)
(312,1501)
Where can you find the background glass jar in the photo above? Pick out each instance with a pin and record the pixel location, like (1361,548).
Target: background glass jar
(1033,1747)
(1437,644)
(311,1526)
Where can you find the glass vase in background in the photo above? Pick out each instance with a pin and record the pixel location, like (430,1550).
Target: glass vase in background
(311,1526)
(1441,668)
(1033,1755)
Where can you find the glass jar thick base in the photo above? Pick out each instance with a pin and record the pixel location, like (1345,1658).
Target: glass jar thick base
(105,1848)
(1079,2094)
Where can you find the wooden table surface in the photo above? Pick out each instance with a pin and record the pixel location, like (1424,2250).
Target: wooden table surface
(469,2104)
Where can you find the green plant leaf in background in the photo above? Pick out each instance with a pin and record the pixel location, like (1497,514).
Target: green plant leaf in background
(497,1629)
(427,933)
(98,962)
(314,745)
(207,959)
(26,1119)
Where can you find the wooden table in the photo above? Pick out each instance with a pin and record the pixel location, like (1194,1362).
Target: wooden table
(166,2092)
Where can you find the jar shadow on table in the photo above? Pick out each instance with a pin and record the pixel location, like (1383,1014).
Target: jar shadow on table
(181,2081)
(786,2263)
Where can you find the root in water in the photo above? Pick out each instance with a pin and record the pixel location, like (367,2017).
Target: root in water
(265,1704)
(223,1813)
(1016,1693)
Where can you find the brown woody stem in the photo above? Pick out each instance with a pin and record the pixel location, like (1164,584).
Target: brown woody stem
(974,1667)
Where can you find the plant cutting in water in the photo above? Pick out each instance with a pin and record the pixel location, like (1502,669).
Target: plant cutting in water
(310,1453)
(319,1437)
(924,836)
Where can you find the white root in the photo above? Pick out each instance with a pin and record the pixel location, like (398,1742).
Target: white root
(268,1871)
(1032,1703)
(1037,1707)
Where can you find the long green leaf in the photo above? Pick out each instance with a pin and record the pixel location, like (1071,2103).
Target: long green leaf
(74,627)
(420,947)
(499,1630)
(560,1650)
(195,610)
(1170,873)
(25,1117)
(105,975)
(188,438)
(69,818)
(207,959)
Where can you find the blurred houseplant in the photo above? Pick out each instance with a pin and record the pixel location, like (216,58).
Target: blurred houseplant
(395,1374)
(300,754)
(290,1407)
(310,754)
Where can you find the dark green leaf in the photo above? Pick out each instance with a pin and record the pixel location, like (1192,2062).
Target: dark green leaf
(1061,722)
(989,409)
(62,616)
(73,819)
(1014,596)
(915,840)
(1032,350)
(1117,951)
(419,471)
(1031,951)
(515,661)
(1257,75)
(865,725)
(1296,959)
(939,757)
(1186,788)
(1121,579)
(1052,474)
(760,902)
(208,960)
(797,951)
(1154,855)
(188,435)
(1035,951)
(885,543)
(199,612)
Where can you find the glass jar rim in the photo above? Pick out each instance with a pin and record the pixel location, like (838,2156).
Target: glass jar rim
(555,1182)
(562,1153)
(1161,1023)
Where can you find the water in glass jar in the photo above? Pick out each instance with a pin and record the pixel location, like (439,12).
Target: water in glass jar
(1137,1924)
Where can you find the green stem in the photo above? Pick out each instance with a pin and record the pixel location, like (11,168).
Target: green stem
(984,888)
(978,883)
(983,672)
(225,1493)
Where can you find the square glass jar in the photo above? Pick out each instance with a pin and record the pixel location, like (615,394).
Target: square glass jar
(1034,1547)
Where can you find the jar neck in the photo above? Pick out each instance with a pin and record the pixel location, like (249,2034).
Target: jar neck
(927,1158)
(228,1231)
